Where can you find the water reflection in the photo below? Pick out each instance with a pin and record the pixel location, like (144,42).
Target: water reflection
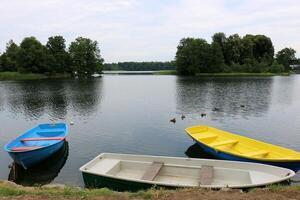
(43,173)
(232,97)
(195,151)
(84,95)
(49,97)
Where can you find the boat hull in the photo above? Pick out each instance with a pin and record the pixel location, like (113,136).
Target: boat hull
(295,166)
(28,159)
(97,181)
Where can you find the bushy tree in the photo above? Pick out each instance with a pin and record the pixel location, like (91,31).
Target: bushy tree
(33,56)
(276,67)
(85,56)
(216,59)
(192,56)
(286,57)
(60,59)
(8,59)
(233,48)
(263,49)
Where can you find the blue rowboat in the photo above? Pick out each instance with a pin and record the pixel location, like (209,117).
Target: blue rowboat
(37,144)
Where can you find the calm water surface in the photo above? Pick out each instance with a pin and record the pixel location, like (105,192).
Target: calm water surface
(131,113)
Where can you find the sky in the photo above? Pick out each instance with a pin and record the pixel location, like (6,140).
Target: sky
(148,30)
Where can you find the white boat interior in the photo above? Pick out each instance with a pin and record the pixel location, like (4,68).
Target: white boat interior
(185,172)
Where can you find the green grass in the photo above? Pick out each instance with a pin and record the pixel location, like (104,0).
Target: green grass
(28,76)
(12,191)
(165,72)
(237,74)
(9,190)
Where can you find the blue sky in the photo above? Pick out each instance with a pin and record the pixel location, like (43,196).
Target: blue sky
(147,30)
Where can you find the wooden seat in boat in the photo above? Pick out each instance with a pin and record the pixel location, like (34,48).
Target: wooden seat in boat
(222,143)
(257,153)
(152,171)
(206,175)
(203,137)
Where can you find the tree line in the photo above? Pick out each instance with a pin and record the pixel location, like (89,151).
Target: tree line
(82,57)
(140,66)
(251,53)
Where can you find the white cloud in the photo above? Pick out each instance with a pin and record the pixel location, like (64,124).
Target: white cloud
(148,29)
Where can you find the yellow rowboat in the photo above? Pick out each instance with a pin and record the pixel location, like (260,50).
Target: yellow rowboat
(229,146)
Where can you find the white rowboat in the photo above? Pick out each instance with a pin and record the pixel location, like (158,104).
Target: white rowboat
(135,172)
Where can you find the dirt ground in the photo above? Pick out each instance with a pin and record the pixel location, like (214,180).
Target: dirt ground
(186,194)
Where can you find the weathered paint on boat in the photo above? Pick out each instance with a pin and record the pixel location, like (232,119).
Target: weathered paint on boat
(229,146)
(30,152)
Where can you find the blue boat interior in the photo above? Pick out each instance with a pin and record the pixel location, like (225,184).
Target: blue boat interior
(40,136)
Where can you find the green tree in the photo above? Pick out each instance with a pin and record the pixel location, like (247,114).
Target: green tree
(192,56)
(85,56)
(276,67)
(233,49)
(263,49)
(216,59)
(33,56)
(247,55)
(220,39)
(8,59)
(286,57)
(60,59)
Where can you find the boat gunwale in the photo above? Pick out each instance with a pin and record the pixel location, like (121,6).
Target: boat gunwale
(277,160)
(291,172)
(35,149)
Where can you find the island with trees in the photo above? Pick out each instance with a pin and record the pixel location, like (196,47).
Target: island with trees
(233,54)
(250,55)
(33,60)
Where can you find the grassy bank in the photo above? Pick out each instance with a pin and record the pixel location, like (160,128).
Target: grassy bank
(236,74)
(11,191)
(165,72)
(28,76)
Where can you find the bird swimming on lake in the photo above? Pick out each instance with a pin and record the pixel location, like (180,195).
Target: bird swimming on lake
(216,109)
(242,106)
(173,120)
(203,114)
(182,117)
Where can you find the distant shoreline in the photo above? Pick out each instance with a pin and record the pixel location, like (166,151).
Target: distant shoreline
(16,76)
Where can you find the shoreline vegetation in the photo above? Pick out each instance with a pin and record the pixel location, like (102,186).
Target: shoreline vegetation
(17,76)
(10,190)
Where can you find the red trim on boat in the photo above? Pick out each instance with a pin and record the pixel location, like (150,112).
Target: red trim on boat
(24,148)
(42,139)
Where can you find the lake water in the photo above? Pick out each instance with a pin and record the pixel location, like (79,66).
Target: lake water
(131,114)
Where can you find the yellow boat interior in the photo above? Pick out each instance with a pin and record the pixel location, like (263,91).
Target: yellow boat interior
(240,146)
